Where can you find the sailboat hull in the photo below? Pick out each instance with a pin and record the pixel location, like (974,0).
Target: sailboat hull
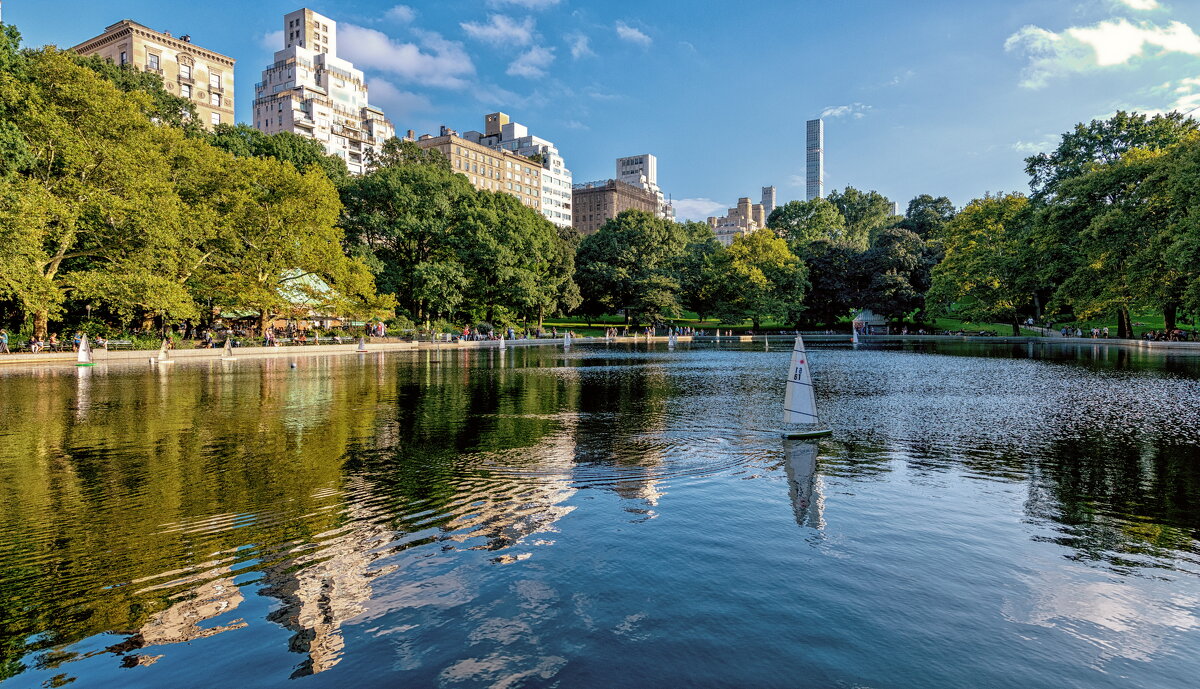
(812,433)
(85,363)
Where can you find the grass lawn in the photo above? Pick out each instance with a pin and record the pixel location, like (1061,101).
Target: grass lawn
(1002,329)
(1142,323)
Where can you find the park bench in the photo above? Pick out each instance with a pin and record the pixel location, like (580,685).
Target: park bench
(120,344)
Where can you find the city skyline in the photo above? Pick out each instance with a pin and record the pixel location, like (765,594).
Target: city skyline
(941,99)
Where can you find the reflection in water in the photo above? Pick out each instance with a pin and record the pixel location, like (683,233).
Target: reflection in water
(804,485)
(465,518)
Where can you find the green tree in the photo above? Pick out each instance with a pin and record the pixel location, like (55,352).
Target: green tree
(162,107)
(926,216)
(985,275)
(97,168)
(632,263)
(801,222)
(1102,142)
(894,265)
(866,212)
(400,218)
(765,280)
(302,152)
(703,268)
(281,248)
(836,273)
(1107,228)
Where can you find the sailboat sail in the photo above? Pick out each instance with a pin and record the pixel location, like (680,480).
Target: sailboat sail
(163,353)
(854,335)
(85,351)
(228,353)
(566,340)
(799,403)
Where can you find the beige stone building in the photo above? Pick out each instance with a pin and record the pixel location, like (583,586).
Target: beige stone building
(200,75)
(308,90)
(743,220)
(594,203)
(489,168)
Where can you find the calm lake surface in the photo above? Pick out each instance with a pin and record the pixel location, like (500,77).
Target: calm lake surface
(983,516)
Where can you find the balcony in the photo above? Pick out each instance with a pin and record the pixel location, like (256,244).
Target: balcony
(215,88)
(156,70)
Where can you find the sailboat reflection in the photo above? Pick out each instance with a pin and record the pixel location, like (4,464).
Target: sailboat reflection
(804,485)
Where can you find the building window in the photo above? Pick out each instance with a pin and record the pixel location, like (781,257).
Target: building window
(216,118)
(214,80)
(185,91)
(124,57)
(152,61)
(185,71)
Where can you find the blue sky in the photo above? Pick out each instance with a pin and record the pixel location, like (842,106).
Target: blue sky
(924,96)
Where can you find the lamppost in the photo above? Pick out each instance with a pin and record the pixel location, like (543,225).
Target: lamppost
(89,312)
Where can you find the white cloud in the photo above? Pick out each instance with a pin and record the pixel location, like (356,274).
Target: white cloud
(435,62)
(272,40)
(797,181)
(501,30)
(1109,43)
(532,63)
(396,102)
(627,33)
(575,124)
(1140,4)
(527,4)
(401,13)
(1031,147)
(579,45)
(697,209)
(855,110)
(494,96)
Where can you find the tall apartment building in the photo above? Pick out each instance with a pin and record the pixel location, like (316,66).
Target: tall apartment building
(815,160)
(768,200)
(641,171)
(595,203)
(312,92)
(501,134)
(489,168)
(187,70)
(739,221)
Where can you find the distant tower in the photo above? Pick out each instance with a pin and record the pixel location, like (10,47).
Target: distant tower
(815,174)
(768,200)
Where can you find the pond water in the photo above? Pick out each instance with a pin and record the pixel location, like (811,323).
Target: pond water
(614,516)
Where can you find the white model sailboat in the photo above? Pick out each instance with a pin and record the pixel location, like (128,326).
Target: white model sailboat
(164,355)
(566,341)
(853,335)
(799,402)
(362,345)
(227,352)
(84,357)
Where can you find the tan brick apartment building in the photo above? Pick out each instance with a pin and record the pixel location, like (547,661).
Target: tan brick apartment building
(204,77)
(593,203)
(488,168)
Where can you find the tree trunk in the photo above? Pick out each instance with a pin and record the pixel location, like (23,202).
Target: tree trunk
(1037,306)
(41,324)
(262,322)
(1016,326)
(1170,312)
(1124,329)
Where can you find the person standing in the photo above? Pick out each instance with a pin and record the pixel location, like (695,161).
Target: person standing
(4,342)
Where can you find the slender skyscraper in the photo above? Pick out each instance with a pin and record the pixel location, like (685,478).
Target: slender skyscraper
(815,174)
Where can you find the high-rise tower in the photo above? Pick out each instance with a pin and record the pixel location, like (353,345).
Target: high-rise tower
(815,149)
(768,200)
(312,92)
